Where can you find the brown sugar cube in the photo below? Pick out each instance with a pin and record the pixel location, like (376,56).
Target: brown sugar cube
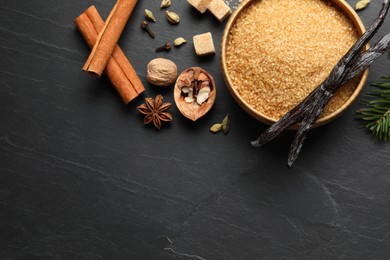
(200,5)
(203,44)
(219,9)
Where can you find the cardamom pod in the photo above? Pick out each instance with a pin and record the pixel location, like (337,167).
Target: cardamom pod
(173,17)
(179,41)
(362,4)
(165,4)
(226,124)
(216,128)
(149,15)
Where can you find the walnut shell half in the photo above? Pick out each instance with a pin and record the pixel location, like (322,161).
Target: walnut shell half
(194,78)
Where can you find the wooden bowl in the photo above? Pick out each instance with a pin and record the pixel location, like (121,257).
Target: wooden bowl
(343,7)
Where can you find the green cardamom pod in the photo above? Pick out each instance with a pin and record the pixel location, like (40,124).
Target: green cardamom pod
(216,128)
(173,17)
(226,124)
(165,4)
(149,15)
(362,4)
(179,41)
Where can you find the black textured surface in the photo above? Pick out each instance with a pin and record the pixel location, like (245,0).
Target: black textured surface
(82,178)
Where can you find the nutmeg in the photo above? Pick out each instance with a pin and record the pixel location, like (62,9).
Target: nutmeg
(194,92)
(161,72)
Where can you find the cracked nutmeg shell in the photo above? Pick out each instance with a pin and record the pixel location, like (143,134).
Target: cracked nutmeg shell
(188,84)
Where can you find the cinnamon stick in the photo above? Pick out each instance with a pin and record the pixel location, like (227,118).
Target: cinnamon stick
(108,37)
(119,69)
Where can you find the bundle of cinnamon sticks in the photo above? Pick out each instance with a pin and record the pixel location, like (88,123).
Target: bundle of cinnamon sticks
(102,37)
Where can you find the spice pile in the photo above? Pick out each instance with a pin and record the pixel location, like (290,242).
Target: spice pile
(279,57)
(194,83)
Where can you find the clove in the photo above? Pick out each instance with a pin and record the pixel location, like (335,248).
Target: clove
(145,26)
(165,47)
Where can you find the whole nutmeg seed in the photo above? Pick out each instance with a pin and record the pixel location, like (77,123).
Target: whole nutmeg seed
(161,72)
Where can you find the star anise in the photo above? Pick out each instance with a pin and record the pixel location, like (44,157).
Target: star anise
(155,111)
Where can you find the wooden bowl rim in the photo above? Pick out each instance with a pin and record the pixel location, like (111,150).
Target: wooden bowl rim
(349,12)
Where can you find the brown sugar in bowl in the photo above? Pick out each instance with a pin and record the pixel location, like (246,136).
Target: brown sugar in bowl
(275,52)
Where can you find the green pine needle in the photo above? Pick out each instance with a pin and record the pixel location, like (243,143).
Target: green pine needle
(376,114)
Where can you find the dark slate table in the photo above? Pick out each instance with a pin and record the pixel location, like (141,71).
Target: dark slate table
(82,178)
